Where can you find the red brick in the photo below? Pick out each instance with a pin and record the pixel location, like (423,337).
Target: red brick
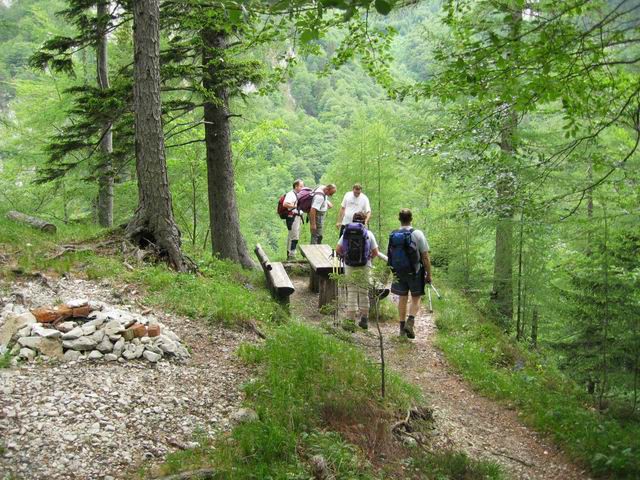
(153,330)
(139,330)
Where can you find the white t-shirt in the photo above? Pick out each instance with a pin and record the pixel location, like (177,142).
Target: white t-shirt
(353,204)
(320,200)
(372,239)
(292,198)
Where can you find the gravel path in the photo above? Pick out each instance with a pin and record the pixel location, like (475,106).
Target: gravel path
(464,420)
(86,420)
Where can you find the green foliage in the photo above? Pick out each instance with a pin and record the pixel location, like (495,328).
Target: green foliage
(224,293)
(5,360)
(545,398)
(307,380)
(456,466)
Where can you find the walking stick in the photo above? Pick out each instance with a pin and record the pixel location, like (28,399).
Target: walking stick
(430,305)
(436,291)
(334,270)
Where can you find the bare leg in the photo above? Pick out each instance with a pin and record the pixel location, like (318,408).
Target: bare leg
(414,306)
(402,307)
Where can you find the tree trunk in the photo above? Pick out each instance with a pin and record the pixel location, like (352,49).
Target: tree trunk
(105,177)
(503,260)
(153,222)
(226,239)
(534,328)
(32,221)
(520,308)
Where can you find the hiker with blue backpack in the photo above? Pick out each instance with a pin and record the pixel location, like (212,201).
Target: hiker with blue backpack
(408,255)
(357,246)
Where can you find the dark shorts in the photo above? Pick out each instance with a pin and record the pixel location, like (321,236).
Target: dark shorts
(409,282)
(290,221)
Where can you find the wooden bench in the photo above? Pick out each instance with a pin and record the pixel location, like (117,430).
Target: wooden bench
(278,281)
(322,265)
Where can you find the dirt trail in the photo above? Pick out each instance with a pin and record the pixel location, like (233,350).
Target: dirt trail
(464,420)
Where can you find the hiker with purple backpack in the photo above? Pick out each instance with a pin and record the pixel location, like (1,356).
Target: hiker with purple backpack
(301,200)
(319,206)
(357,246)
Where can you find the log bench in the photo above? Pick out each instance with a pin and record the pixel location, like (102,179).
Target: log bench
(321,262)
(278,281)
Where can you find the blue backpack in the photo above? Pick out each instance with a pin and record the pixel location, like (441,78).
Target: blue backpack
(402,252)
(356,245)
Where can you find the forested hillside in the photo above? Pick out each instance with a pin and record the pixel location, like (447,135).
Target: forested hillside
(509,128)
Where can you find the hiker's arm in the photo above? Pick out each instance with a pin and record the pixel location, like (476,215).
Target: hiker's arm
(339,249)
(366,220)
(374,253)
(289,206)
(312,218)
(426,261)
(340,217)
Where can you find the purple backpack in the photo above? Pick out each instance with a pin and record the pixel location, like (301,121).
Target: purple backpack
(356,245)
(305,198)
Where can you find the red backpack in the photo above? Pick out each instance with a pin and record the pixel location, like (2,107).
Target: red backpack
(283,212)
(305,198)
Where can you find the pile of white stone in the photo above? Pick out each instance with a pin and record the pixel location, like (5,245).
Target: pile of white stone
(107,334)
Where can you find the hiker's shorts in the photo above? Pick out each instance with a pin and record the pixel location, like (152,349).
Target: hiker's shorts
(408,282)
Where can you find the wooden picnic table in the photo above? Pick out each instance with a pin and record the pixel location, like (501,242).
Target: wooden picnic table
(322,266)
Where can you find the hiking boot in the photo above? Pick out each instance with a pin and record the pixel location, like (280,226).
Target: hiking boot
(408,327)
(402,332)
(291,256)
(363,323)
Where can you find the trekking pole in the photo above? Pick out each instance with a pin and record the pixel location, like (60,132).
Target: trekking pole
(436,291)
(430,304)
(334,271)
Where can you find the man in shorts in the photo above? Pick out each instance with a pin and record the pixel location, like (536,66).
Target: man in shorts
(413,279)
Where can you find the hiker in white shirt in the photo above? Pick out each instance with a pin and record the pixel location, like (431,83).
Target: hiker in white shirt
(318,211)
(353,202)
(294,218)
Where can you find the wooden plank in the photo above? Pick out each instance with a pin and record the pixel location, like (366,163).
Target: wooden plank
(319,257)
(280,280)
(327,288)
(264,260)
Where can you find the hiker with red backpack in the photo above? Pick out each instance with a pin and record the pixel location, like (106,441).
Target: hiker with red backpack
(357,246)
(300,200)
(408,255)
(288,210)
(318,209)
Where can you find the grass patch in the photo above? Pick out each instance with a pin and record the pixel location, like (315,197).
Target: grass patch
(316,396)
(5,360)
(546,399)
(222,292)
(454,466)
